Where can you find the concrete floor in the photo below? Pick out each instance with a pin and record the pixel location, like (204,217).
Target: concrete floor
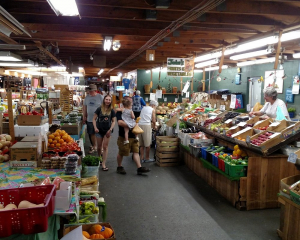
(174,203)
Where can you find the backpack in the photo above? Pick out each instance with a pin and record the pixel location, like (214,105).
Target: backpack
(136,104)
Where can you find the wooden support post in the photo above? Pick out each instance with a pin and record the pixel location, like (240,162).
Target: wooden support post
(278,50)
(10,115)
(203,79)
(151,82)
(114,101)
(50,115)
(181,84)
(222,60)
(120,96)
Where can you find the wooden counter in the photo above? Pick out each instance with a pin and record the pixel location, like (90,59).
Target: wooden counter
(256,191)
(289,228)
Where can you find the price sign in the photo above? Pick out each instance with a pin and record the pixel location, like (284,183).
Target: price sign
(209,106)
(212,117)
(242,124)
(147,99)
(165,99)
(292,158)
(176,99)
(224,97)
(209,126)
(228,121)
(215,105)
(222,107)
(248,139)
(187,94)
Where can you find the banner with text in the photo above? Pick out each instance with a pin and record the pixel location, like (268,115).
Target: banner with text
(180,67)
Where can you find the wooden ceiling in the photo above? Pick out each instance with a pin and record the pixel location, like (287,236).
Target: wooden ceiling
(125,20)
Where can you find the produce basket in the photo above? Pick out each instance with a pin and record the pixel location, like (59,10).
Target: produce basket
(93,218)
(294,192)
(29,220)
(89,171)
(238,170)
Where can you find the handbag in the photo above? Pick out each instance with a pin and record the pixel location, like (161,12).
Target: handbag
(137,130)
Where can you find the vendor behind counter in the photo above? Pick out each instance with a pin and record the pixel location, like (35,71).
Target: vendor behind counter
(271,105)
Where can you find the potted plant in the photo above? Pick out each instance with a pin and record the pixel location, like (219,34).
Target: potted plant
(292,111)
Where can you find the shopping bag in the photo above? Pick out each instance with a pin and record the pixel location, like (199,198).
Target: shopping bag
(137,130)
(279,114)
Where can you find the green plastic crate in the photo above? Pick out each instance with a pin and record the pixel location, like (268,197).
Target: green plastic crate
(227,166)
(295,197)
(237,170)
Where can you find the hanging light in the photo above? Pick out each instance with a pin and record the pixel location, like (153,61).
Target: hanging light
(100,71)
(260,61)
(116,45)
(64,7)
(107,43)
(250,54)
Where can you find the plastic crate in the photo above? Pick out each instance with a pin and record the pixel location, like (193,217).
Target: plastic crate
(30,220)
(92,218)
(215,160)
(203,153)
(195,149)
(89,171)
(295,197)
(209,157)
(238,170)
(227,165)
(221,164)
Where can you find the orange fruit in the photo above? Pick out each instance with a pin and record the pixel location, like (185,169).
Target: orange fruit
(54,142)
(57,145)
(65,137)
(57,138)
(50,140)
(64,144)
(48,144)
(52,145)
(56,134)
(61,141)
(64,132)
(51,136)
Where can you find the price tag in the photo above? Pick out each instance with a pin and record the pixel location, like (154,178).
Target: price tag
(215,105)
(292,158)
(187,94)
(209,106)
(234,127)
(176,100)
(248,108)
(248,139)
(212,117)
(242,124)
(165,99)
(233,122)
(274,135)
(224,97)
(228,121)
(274,124)
(222,107)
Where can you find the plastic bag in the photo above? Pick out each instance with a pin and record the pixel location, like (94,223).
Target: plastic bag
(279,114)
(137,130)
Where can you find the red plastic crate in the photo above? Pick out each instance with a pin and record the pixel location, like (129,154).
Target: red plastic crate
(30,220)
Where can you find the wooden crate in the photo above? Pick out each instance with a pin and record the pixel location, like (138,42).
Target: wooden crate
(167,162)
(289,219)
(167,151)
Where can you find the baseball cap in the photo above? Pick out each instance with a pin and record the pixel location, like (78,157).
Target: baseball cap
(93,87)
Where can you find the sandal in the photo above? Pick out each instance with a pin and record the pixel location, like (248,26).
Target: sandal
(92,150)
(105,169)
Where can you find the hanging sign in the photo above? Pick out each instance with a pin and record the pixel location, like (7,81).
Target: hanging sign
(180,67)
(158,93)
(152,96)
(289,97)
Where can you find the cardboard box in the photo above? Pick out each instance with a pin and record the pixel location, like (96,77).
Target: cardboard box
(71,129)
(39,139)
(31,120)
(86,227)
(243,135)
(23,131)
(263,123)
(25,151)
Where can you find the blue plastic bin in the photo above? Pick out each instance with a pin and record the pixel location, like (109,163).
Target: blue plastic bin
(203,152)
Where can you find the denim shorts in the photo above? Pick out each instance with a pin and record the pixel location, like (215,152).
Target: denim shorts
(100,135)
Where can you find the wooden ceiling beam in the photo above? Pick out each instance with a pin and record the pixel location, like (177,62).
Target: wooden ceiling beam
(40,46)
(7,39)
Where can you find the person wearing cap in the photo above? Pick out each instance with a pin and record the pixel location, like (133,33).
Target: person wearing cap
(148,117)
(90,105)
(137,104)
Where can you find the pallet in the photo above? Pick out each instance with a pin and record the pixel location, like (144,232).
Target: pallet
(166,162)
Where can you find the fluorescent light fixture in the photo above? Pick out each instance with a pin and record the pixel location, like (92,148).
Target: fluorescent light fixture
(211,68)
(198,70)
(100,71)
(107,43)
(256,44)
(75,74)
(8,56)
(296,55)
(27,63)
(148,71)
(164,69)
(64,7)
(116,45)
(12,47)
(156,69)
(290,36)
(260,61)
(249,55)
(208,56)
(207,63)
(58,68)
(33,73)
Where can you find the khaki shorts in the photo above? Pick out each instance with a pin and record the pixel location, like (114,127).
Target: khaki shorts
(125,150)
(145,138)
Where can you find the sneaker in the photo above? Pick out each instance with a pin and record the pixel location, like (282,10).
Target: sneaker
(126,142)
(142,170)
(148,160)
(121,170)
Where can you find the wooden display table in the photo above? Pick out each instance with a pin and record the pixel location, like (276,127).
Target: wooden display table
(256,191)
(289,219)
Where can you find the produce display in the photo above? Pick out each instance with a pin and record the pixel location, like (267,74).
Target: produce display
(5,144)
(62,141)
(262,138)
(210,121)
(91,160)
(98,231)
(229,115)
